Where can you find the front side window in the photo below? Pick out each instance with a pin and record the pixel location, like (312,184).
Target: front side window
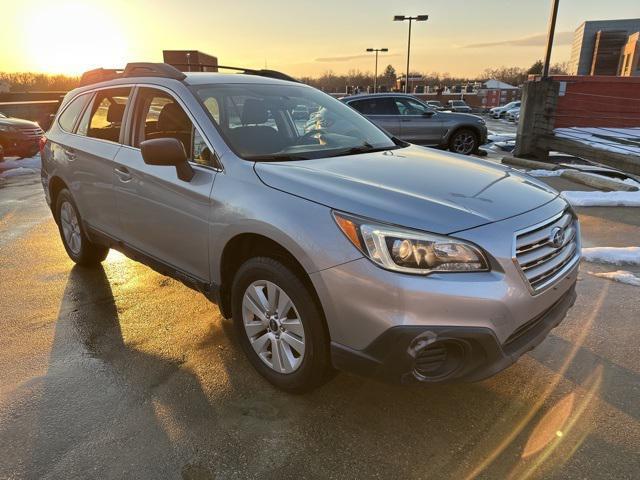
(106,114)
(258,123)
(408,106)
(68,118)
(159,115)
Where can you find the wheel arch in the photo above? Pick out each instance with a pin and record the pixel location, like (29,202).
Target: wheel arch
(244,246)
(56,185)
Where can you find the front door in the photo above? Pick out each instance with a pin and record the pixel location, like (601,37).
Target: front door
(418,123)
(160,215)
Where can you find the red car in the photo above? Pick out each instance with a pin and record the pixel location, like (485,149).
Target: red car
(18,137)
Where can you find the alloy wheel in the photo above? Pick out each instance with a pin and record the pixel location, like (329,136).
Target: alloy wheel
(464,143)
(273,325)
(70,227)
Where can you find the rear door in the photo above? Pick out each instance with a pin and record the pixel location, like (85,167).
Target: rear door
(90,151)
(160,215)
(381,111)
(418,123)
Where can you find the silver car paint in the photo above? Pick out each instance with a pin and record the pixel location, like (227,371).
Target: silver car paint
(365,300)
(378,186)
(360,300)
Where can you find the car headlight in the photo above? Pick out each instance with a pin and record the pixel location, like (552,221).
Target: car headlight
(7,128)
(410,251)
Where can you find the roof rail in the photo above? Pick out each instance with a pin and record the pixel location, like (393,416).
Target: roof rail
(136,69)
(147,69)
(164,70)
(99,75)
(262,73)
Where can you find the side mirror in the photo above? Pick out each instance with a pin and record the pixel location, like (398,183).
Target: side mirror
(167,152)
(429,113)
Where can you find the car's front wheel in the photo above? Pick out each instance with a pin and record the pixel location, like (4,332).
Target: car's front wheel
(464,142)
(280,326)
(79,248)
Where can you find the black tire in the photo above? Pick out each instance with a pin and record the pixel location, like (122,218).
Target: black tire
(315,366)
(464,142)
(87,254)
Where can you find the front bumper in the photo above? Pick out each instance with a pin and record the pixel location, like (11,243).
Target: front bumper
(409,354)
(15,143)
(478,312)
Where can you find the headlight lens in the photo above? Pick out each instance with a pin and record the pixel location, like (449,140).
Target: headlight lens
(6,128)
(409,251)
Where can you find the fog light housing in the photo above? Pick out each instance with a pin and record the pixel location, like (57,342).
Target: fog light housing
(439,360)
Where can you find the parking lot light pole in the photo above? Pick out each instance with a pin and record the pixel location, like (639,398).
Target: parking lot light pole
(550,35)
(375,78)
(402,18)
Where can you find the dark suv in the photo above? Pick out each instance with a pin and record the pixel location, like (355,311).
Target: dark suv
(18,137)
(408,118)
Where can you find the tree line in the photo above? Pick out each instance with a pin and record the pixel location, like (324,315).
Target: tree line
(328,82)
(38,82)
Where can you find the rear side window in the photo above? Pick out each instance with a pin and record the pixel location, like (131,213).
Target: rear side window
(378,106)
(107,112)
(68,118)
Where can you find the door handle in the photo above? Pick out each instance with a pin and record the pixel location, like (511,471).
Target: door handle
(123,174)
(70,154)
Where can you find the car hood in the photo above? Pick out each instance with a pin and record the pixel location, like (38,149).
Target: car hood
(460,117)
(17,122)
(413,187)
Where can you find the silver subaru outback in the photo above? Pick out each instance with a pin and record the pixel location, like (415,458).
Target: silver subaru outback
(341,248)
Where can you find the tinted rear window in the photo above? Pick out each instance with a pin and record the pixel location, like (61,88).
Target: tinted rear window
(378,106)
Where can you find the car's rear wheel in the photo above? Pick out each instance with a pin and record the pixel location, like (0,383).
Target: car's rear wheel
(464,142)
(280,327)
(79,248)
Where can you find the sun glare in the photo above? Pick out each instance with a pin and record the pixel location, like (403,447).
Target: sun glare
(74,37)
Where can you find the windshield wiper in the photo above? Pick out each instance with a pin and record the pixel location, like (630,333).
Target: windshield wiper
(364,148)
(276,157)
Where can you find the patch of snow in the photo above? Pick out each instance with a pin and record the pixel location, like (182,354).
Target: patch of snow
(621,276)
(613,255)
(545,173)
(603,138)
(602,199)
(16,172)
(30,162)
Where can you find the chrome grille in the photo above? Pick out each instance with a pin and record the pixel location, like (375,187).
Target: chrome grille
(33,132)
(543,261)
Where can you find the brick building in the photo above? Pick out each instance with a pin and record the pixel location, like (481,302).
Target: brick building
(494,93)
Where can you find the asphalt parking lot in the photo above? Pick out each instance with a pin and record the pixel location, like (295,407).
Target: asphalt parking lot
(123,373)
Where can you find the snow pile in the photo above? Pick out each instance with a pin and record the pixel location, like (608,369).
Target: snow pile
(602,199)
(16,172)
(612,255)
(12,168)
(545,173)
(621,276)
(618,140)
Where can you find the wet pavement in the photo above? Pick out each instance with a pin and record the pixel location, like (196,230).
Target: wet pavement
(121,372)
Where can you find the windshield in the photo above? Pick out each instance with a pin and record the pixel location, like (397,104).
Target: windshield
(288,122)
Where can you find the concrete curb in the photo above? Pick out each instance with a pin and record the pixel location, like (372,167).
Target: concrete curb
(597,181)
(532,164)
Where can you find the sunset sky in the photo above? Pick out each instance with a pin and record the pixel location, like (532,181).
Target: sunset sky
(299,37)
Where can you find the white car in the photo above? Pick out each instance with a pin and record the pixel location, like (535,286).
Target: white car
(499,112)
(513,115)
